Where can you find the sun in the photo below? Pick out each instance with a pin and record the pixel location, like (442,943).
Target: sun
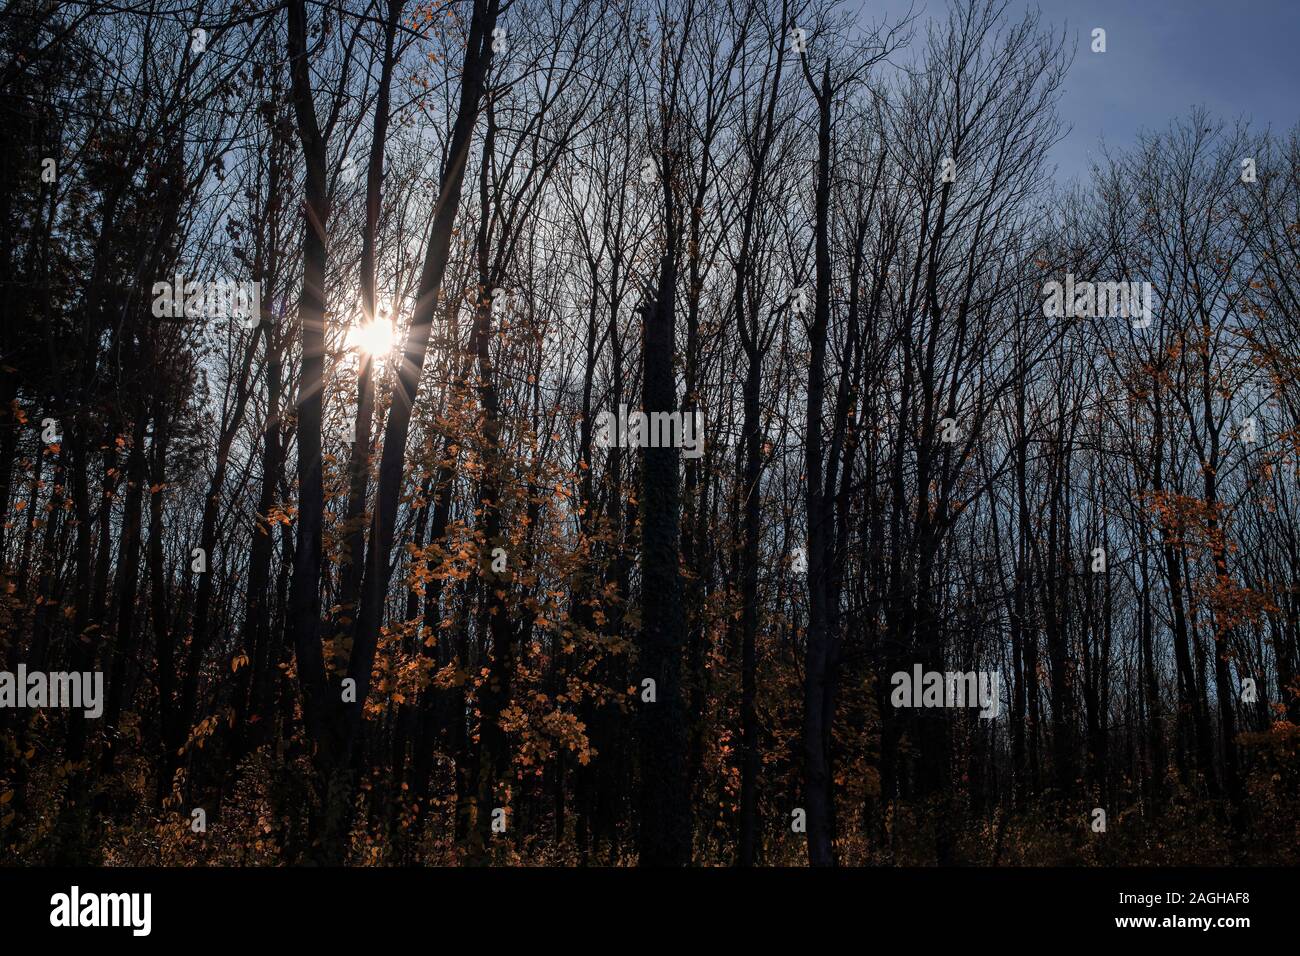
(374,338)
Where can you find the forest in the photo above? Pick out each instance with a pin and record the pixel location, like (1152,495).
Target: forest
(634,432)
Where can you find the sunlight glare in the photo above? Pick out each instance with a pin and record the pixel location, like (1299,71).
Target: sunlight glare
(374,338)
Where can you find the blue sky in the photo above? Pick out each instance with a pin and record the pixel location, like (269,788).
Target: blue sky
(1238,58)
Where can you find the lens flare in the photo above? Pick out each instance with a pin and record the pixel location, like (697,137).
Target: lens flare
(374,338)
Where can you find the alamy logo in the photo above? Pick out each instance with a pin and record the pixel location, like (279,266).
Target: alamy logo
(1099,300)
(103,909)
(656,430)
(222,299)
(951,689)
(78,691)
